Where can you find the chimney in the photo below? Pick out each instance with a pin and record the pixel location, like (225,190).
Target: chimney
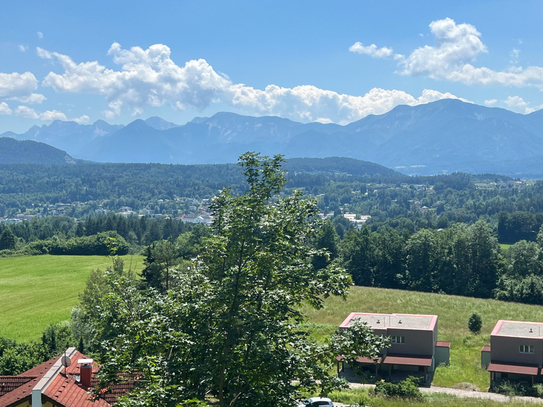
(85,372)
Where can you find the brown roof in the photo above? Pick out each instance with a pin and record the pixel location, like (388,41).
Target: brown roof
(361,359)
(518,369)
(408,360)
(443,344)
(10,383)
(485,349)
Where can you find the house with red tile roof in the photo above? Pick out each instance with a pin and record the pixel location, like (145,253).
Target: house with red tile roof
(53,384)
(414,346)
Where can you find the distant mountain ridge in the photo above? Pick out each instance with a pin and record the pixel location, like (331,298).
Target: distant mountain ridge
(31,152)
(438,137)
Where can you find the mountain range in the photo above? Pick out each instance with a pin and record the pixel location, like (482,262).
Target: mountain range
(439,137)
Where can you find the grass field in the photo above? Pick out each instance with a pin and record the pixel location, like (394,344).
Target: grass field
(36,291)
(39,290)
(453,314)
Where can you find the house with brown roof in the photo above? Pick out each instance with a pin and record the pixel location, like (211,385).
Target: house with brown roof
(414,346)
(53,384)
(515,352)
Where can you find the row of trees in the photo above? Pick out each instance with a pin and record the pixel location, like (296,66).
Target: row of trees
(460,260)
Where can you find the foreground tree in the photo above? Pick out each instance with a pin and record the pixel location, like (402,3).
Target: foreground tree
(230,329)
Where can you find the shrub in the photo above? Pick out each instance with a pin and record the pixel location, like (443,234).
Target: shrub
(406,389)
(512,389)
(475,323)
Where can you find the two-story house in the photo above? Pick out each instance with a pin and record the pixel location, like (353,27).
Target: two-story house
(414,345)
(515,352)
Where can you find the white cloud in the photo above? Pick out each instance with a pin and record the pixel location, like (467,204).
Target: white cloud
(514,54)
(456,47)
(517,104)
(4,108)
(40,35)
(309,103)
(150,78)
(16,86)
(491,102)
(371,50)
(81,119)
(27,112)
(23,48)
(48,115)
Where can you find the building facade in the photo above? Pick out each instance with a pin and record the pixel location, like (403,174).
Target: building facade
(414,346)
(515,352)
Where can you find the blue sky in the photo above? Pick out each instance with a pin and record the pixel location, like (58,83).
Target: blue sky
(306,61)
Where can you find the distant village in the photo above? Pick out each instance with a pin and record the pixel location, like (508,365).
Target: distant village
(194,210)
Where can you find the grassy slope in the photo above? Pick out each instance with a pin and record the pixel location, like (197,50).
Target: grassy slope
(39,290)
(453,314)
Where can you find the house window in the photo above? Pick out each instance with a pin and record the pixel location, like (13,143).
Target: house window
(397,339)
(526,349)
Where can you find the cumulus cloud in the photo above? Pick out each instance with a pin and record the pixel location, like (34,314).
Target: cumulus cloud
(4,108)
(371,50)
(517,104)
(23,48)
(40,35)
(16,86)
(491,102)
(309,103)
(49,115)
(150,78)
(451,58)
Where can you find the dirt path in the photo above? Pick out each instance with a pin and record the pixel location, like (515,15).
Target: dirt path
(463,394)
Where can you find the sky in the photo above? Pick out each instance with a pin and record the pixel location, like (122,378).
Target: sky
(331,62)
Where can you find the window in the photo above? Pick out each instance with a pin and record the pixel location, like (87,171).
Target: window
(397,339)
(526,349)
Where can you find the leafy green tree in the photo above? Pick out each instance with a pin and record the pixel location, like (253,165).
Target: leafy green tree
(420,256)
(231,327)
(7,240)
(358,255)
(327,240)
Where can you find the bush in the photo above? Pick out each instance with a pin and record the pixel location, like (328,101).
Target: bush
(475,323)
(512,389)
(406,389)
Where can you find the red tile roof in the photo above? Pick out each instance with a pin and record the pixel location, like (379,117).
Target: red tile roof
(443,344)
(518,369)
(10,383)
(64,390)
(485,349)
(25,390)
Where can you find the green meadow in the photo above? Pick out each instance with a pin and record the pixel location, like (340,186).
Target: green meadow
(39,290)
(453,315)
(36,291)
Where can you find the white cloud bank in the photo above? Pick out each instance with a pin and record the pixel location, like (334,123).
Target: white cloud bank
(150,78)
(17,86)
(456,48)
(29,113)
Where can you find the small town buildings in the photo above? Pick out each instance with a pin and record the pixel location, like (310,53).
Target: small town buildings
(52,384)
(515,352)
(414,345)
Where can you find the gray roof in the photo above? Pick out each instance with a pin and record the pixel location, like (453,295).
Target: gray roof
(382,321)
(519,329)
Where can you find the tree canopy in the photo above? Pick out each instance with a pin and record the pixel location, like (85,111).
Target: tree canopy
(229,328)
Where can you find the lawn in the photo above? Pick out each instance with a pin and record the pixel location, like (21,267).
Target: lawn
(453,312)
(36,291)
